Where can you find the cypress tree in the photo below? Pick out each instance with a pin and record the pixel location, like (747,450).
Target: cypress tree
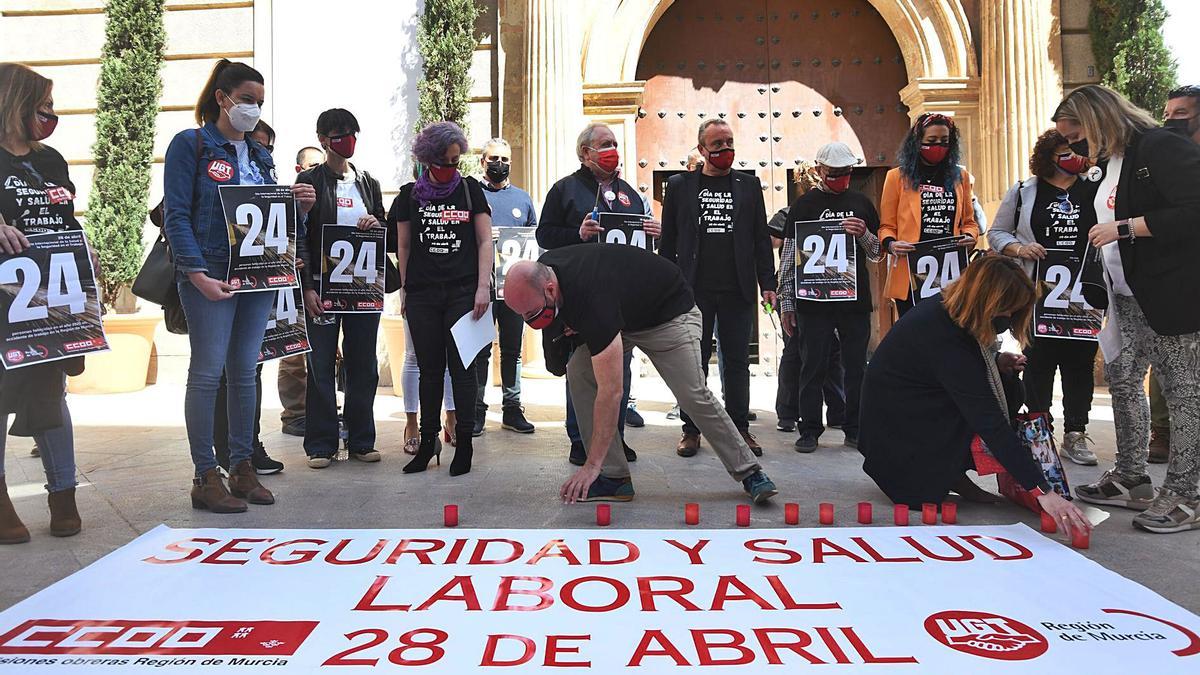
(1130,54)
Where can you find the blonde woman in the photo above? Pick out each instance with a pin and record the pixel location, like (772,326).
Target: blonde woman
(1148,233)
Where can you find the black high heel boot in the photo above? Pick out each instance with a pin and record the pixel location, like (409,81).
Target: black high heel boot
(431,447)
(462,455)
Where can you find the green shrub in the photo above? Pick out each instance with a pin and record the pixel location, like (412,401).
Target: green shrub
(127,103)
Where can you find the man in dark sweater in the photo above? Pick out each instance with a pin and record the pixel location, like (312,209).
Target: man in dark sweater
(608,299)
(715,229)
(818,323)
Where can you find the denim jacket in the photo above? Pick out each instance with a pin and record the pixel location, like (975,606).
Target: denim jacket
(194,223)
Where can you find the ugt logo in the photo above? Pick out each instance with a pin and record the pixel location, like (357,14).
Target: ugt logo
(987,635)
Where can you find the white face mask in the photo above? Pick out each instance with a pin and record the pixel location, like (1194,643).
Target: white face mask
(244,116)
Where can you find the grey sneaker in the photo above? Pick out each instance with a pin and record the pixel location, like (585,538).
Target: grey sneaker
(759,487)
(1116,490)
(1075,448)
(1169,512)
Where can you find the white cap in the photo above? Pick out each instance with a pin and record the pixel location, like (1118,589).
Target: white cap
(836,155)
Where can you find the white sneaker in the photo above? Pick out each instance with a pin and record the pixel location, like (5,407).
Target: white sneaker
(1075,448)
(319,462)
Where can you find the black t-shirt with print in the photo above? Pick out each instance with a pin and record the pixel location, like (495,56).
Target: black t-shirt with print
(609,288)
(715,272)
(1061,218)
(443,248)
(36,194)
(937,204)
(818,204)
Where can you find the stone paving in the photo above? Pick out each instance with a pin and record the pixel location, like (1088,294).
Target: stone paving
(135,473)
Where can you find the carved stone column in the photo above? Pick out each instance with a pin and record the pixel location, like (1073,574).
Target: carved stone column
(1017,79)
(553,93)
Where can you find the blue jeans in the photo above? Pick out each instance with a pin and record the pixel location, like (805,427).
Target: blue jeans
(358,332)
(573,422)
(57,447)
(225,336)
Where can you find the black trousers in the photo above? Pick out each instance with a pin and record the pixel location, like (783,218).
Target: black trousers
(1074,359)
(221,413)
(431,311)
(734,320)
(358,333)
(787,393)
(817,332)
(510,328)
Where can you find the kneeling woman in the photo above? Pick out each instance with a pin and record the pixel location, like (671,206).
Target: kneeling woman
(934,383)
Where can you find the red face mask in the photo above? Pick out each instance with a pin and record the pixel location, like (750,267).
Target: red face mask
(343,145)
(544,318)
(608,159)
(721,159)
(838,184)
(43,126)
(934,154)
(442,174)
(1072,164)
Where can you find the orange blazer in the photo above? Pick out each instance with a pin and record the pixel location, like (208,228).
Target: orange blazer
(900,219)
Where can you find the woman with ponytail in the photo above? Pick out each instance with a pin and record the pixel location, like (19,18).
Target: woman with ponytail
(225,330)
(928,196)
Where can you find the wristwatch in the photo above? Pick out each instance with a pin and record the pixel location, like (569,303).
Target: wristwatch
(1125,230)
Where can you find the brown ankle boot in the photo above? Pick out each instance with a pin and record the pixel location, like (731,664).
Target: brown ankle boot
(64,517)
(208,492)
(243,483)
(1160,445)
(12,530)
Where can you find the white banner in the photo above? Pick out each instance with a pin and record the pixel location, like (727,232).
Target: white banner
(945,599)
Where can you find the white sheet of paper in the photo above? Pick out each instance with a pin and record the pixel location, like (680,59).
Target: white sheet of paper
(1094,515)
(472,336)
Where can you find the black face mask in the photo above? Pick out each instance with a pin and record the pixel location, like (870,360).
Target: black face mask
(497,171)
(1080,147)
(1001,323)
(1180,126)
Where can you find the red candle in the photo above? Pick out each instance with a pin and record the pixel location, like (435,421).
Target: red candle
(1048,524)
(691,514)
(1080,539)
(743,515)
(450,515)
(791,513)
(949,513)
(826,513)
(901,514)
(603,514)
(864,513)
(929,514)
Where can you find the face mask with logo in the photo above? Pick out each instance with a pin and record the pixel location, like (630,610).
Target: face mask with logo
(934,153)
(443,174)
(607,160)
(343,145)
(838,184)
(498,171)
(545,317)
(244,116)
(44,125)
(1072,164)
(1080,148)
(721,159)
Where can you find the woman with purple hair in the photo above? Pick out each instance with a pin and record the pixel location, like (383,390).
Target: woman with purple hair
(444,251)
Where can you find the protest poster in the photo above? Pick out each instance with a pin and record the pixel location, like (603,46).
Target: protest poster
(287,330)
(513,244)
(261,220)
(627,228)
(935,264)
(352,269)
(49,304)
(1061,311)
(947,599)
(826,264)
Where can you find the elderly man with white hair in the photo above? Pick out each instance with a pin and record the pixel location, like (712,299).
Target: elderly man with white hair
(608,299)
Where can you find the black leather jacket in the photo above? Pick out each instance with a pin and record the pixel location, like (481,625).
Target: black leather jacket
(324,212)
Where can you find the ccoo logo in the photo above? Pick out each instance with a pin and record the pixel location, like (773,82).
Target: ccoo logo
(987,635)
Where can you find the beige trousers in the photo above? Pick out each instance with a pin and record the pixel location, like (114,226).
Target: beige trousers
(674,349)
(293,385)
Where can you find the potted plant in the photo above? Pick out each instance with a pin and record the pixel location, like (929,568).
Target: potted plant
(127,103)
